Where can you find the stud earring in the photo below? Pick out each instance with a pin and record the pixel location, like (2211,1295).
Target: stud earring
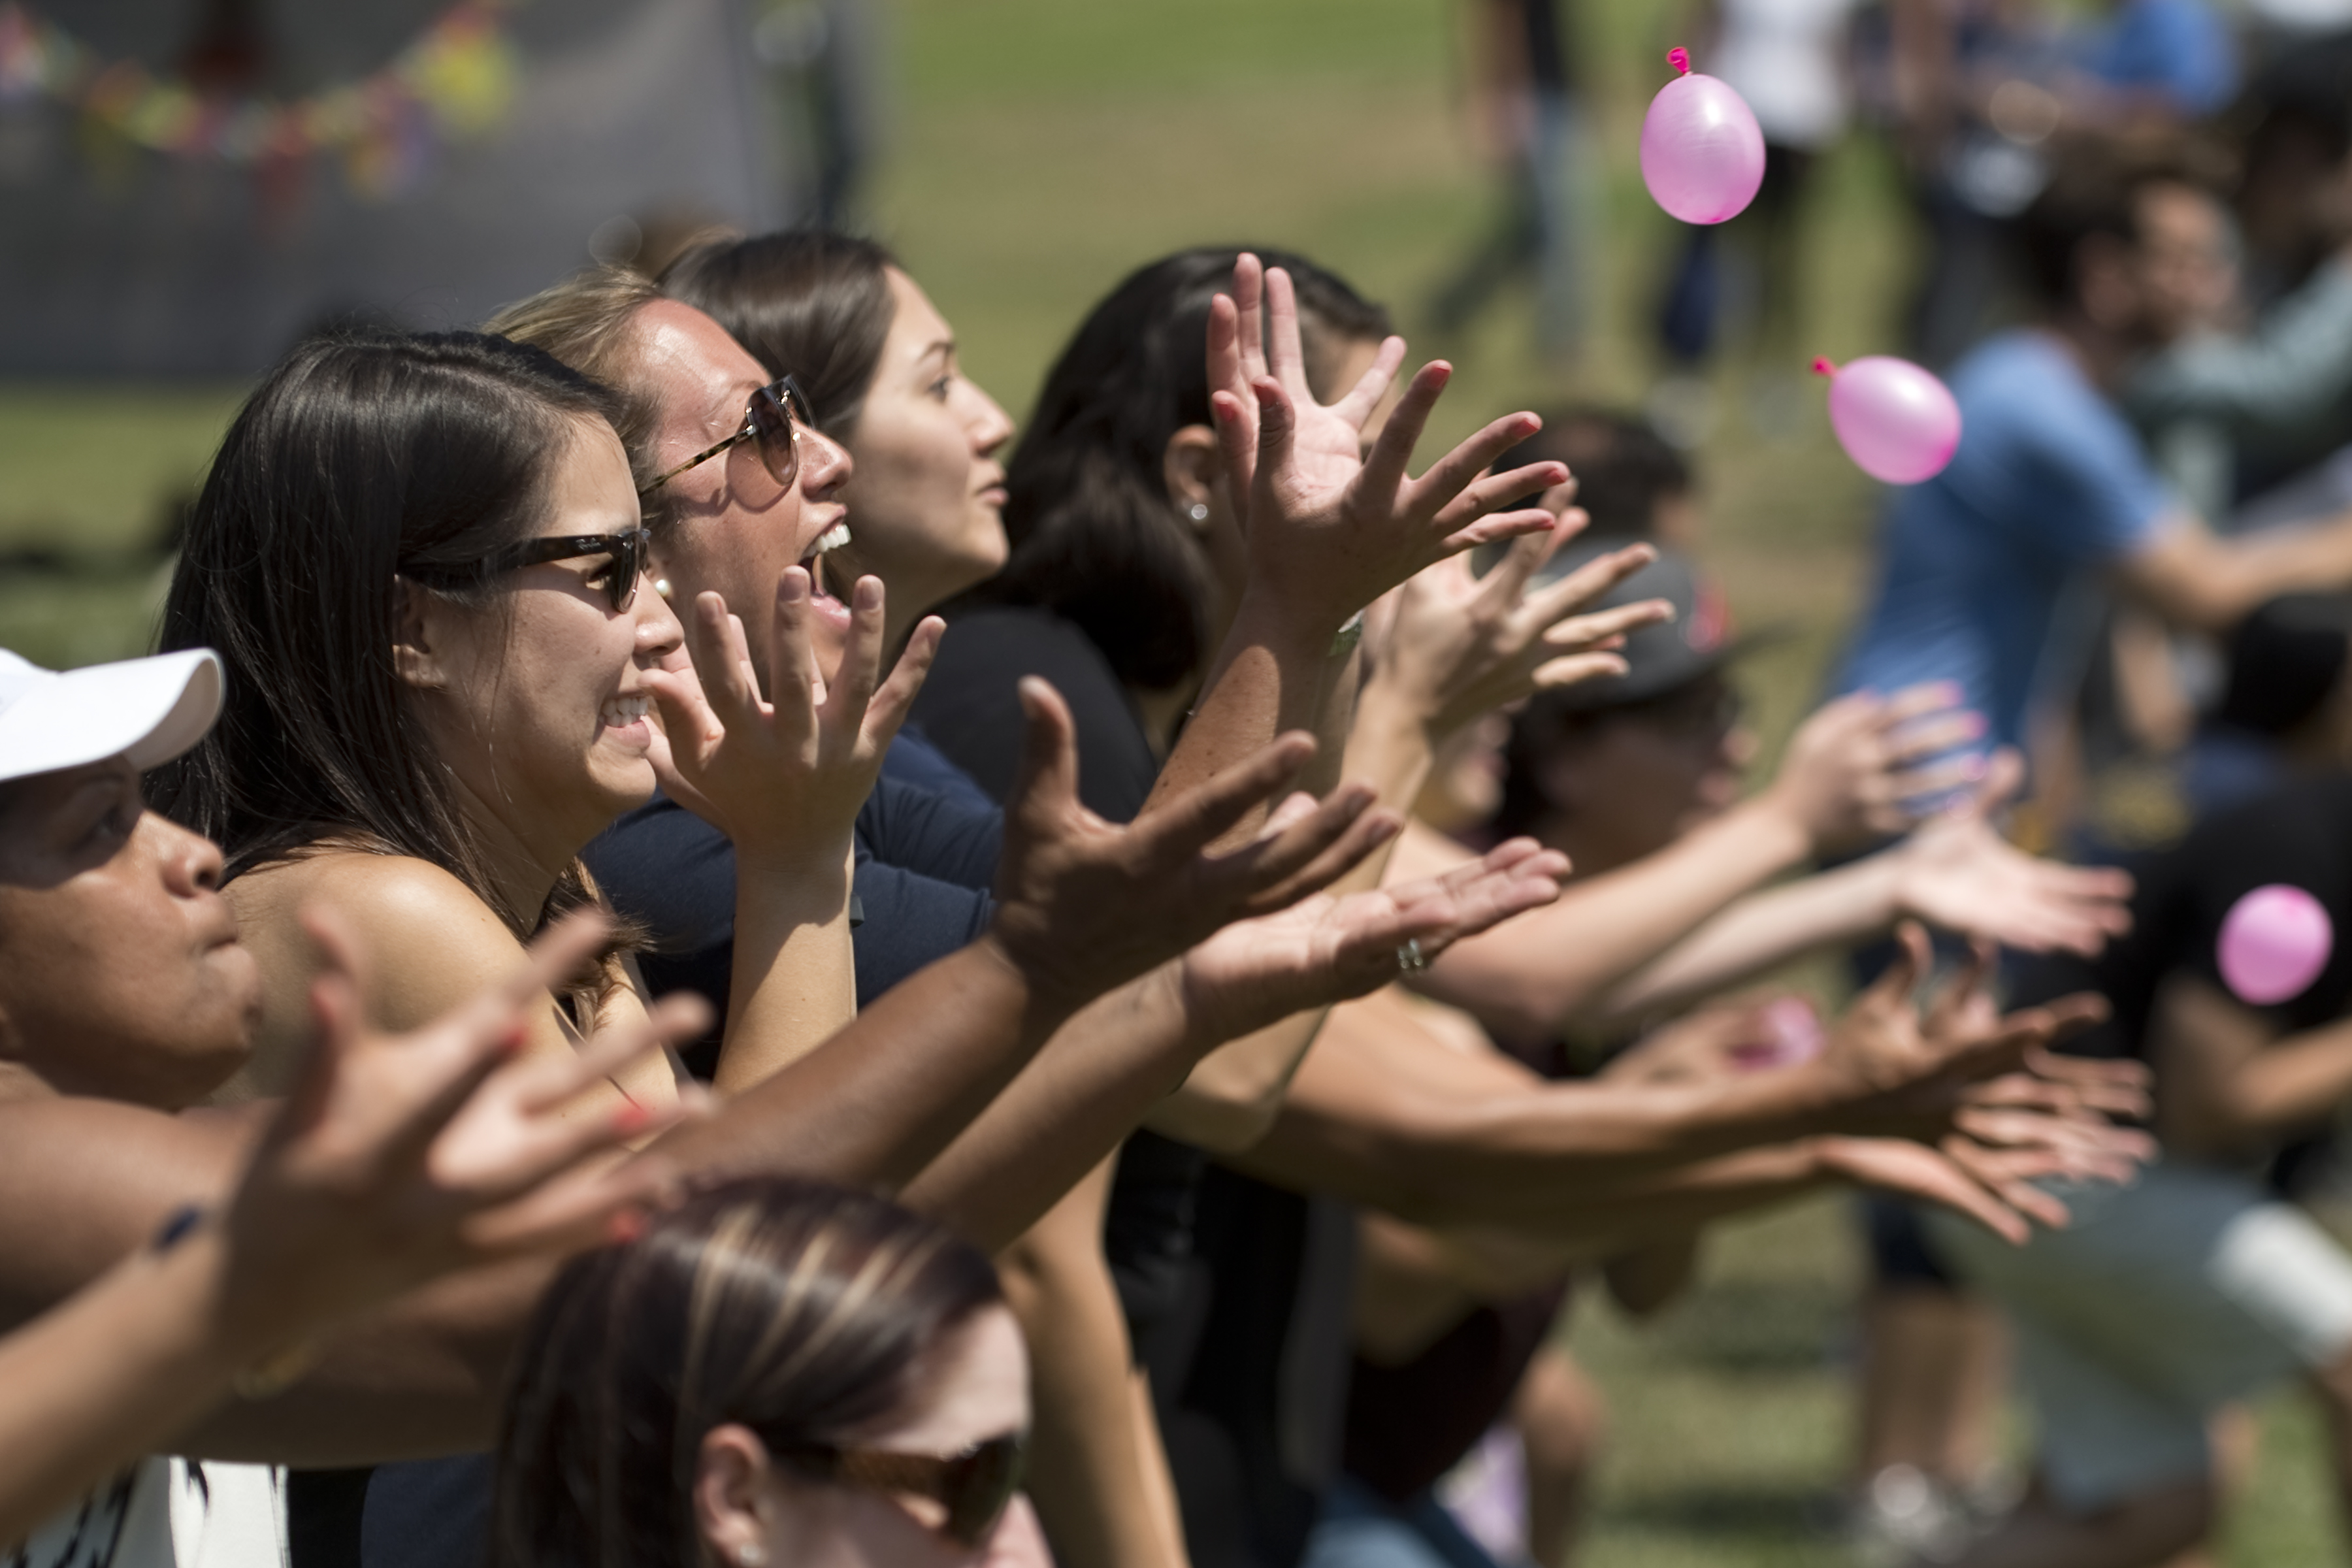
(1198,512)
(661,586)
(751,1555)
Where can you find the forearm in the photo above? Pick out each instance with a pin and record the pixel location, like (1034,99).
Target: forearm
(1274,673)
(878,1101)
(1530,974)
(1231,1097)
(1761,932)
(1088,1474)
(794,979)
(2195,580)
(1088,1090)
(1438,1137)
(111,1374)
(2294,1086)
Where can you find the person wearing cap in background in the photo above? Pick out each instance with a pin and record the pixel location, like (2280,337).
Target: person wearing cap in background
(125,981)
(1641,784)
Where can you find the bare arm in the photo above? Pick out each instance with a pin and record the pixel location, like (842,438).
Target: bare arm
(2194,579)
(2228,1081)
(1096,1485)
(1953,871)
(1844,778)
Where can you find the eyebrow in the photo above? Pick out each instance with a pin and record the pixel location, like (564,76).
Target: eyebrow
(946,346)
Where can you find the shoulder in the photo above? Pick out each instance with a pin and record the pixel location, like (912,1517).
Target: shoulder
(428,940)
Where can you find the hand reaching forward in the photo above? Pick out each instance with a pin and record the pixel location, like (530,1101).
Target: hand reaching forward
(1956,872)
(1862,766)
(1906,1073)
(1329,527)
(1084,905)
(1994,1189)
(783,775)
(1324,951)
(398,1159)
(1458,645)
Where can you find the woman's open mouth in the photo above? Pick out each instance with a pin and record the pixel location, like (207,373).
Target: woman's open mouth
(820,593)
(628,717)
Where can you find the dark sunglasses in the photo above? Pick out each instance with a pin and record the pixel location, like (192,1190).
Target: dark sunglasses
(625,550)
(775,418)
(974,1486)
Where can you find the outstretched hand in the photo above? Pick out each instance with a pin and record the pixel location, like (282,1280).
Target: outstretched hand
(1957,871)
(1329,527)
(784,774)
(1084,905)
(1329,950)
(1458,645)
(397,1159)
(1865,766)
(1912,1072)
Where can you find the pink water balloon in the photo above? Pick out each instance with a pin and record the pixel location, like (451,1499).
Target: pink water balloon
(2274,941)
(1702,151)
(1896,422)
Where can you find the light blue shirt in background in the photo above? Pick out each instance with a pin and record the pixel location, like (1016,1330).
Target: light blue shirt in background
(2048,482)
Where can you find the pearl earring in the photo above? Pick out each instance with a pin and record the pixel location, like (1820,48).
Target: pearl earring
(661,586)
(1198,512)
(751,1555)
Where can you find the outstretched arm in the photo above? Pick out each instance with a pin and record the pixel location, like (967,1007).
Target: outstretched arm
(1953,871)
(394,1160)
(1849,774)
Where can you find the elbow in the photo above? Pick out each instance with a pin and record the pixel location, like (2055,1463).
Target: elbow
(1221,1112)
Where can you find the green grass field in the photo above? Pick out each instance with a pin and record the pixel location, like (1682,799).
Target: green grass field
(1038,150)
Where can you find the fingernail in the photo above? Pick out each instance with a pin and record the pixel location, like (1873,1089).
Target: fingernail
(795,584)
(512,1040)
(1973,724)
(631,1117)
(869,593)
(624,1227)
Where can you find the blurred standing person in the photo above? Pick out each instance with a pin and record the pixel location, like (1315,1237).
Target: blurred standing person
(1529,121)
(1792,60)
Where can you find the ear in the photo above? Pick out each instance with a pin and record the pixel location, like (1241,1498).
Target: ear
(730,1477)
(1194,469)
(416,618)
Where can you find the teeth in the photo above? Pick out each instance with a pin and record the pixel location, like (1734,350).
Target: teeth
(620,710)
(833,538)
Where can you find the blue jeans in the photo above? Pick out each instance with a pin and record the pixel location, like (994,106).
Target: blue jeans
(1361,1528)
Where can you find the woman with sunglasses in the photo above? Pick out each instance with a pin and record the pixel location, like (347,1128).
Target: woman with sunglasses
(777,1374)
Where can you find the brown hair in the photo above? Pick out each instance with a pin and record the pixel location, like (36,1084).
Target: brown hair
(804,1312)
(360,457)
(587,322)
(807,303)
(1096,538)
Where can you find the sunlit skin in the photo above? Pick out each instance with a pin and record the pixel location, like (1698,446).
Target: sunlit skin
(974,1386)
(927,503)
(540,713)
(124,977)
(731,529)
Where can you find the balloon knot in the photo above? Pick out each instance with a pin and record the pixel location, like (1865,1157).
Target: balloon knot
(1823,367)
(1679,57)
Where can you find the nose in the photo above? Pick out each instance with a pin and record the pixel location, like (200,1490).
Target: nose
(991,427)
(192,863)
(826,465)
(659,633)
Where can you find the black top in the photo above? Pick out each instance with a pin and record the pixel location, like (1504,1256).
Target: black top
(2300,835)
(1237,1295)
(925,859)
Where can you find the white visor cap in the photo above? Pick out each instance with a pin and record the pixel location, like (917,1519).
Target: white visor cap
(148,709)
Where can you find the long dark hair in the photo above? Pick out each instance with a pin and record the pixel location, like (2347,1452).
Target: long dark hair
(360,457)
(801,1311)
(1094,537)
(808,303)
